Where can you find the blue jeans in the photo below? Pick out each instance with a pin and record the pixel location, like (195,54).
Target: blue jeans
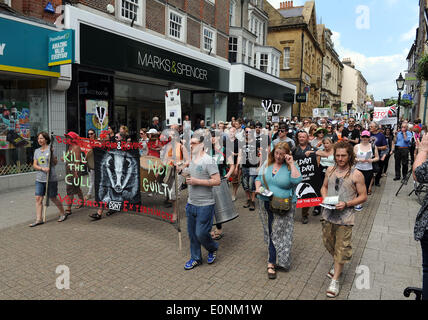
(199,223)
(272,250)
(424,245)
(248,180)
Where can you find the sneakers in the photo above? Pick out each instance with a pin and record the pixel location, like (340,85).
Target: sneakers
(252,206)
(330,274)
(247,205)
(305,220)
(358,208)
(333,289)
(211,257)
(192,264)
(233,198)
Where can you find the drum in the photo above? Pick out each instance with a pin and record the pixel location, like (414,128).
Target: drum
(224,209)
(90,160)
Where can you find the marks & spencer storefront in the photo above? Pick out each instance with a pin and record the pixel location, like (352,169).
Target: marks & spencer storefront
(128,71)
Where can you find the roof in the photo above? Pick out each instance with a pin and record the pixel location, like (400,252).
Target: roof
(292,12)
(5,9)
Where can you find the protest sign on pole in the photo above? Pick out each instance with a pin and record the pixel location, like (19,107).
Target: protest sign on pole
(308,192)
(385,116)
(173,107)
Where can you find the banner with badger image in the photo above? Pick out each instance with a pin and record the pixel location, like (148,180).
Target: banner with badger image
(117,178)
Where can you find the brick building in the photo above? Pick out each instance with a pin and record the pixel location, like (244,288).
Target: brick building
(293,31)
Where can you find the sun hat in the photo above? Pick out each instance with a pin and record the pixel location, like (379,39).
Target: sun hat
(319,130)
(152,131)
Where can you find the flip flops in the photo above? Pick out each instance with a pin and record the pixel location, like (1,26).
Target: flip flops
(35,224)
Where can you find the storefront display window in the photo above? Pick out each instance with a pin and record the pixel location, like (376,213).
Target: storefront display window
(23,114)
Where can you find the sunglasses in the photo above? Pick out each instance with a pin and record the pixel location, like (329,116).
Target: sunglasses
(282,130)
(336,186)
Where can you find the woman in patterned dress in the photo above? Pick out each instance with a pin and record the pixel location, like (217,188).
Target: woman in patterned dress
(282,176)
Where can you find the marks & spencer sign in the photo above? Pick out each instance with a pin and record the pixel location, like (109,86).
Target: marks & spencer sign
(110,51)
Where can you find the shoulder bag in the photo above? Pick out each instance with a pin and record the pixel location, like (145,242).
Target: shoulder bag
(279,206)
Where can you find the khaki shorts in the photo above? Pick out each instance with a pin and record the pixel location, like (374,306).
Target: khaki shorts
(337,241)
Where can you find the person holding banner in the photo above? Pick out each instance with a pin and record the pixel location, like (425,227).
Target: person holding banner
(344,188)
(41,165)
(302,151)
(73,161)
(201,203)
(280,175)
(91,189)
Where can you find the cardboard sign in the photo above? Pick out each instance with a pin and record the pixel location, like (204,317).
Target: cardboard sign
(173,107)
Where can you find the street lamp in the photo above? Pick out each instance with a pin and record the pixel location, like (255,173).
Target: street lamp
(400,87)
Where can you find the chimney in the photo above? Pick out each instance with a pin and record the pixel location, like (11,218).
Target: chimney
(291,4)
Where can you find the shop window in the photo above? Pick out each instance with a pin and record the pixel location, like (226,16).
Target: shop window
(233,49)
(130,9)
(264,59)
(23,114)
(176,25)
(209,40)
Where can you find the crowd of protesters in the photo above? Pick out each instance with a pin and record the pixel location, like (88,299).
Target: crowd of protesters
(352,156)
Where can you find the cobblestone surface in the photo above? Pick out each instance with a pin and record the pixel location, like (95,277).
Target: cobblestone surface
(128,256)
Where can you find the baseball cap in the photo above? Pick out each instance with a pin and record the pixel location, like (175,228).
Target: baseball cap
(365,134)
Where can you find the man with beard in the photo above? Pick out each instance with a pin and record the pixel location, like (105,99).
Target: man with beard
(345,186)
(304,150)
(351,134)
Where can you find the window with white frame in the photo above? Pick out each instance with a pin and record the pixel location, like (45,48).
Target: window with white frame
(211,1)
(209,39)
(8,2)
(286,64)
(130,9)
(232,7)
(233,49)
(250,53)
(176,25)
(264,60)
(244,50)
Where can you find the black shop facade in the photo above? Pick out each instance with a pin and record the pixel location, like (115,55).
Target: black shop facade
(128,78)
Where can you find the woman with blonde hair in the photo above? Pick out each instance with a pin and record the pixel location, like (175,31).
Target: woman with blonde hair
(280,175)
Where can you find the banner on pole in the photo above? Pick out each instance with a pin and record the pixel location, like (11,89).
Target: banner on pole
(385,116)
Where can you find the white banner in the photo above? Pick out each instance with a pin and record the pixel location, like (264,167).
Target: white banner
(385,116)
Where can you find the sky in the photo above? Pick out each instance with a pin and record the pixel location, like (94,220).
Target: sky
(377,35)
